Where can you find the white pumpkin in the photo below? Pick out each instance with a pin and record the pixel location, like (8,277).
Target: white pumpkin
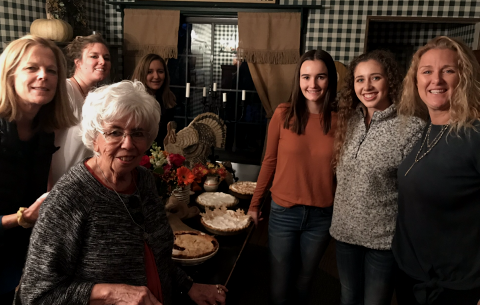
(54,29)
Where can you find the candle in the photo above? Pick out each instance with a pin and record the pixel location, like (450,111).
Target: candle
(224,97)
(214,86)
(187,91)
(204,91)
(243,95)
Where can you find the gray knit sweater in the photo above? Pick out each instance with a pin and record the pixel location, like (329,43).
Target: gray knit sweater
(85,236)
(365,206)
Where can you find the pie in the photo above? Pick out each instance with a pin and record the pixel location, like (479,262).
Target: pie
(193,244)
(243,187)
(221,220)
(216,200)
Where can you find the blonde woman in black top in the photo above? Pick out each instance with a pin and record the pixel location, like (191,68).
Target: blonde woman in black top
(436,243)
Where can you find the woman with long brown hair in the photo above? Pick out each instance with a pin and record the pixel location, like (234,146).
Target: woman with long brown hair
(370,143)
(152,71)
(298,160)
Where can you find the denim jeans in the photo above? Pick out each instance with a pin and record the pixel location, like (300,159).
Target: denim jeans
(366,275)
(298,238)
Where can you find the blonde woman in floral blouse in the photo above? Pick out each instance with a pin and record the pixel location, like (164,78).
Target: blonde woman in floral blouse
(370,143)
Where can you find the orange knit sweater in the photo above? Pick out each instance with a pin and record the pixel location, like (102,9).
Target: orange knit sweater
(300,165)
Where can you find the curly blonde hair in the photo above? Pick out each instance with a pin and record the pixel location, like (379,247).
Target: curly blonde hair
(465,100)
(348,100)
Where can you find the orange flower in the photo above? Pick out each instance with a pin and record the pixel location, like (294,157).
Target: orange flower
(185,176)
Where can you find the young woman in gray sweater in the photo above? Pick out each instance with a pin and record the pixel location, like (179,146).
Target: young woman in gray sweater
(371,141)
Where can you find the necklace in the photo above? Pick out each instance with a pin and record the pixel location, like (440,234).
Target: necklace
(81,90)
(435,140)
(429,146)
(145,234)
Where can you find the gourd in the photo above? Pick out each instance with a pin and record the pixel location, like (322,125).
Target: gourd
(54,29)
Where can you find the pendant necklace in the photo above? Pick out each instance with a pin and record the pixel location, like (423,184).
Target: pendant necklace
(145,234)
(78,84)
(429,146)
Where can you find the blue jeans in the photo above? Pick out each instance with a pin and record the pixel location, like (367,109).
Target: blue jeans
(298,238)
(366,275)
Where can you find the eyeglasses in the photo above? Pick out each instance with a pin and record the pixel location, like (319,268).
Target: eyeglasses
(117,136)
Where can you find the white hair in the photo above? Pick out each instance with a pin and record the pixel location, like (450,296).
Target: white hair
(126,99)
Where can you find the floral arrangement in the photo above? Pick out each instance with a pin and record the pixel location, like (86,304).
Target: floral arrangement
(74,11)
(169,169)
(213,169)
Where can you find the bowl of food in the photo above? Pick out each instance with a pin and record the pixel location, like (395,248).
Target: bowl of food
(243,189)
(216,199)
(221,221)
(193,247)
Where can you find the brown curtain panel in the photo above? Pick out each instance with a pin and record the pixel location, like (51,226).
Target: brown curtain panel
(149,31)
(270,43)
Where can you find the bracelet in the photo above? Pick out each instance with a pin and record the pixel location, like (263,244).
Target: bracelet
(22,222)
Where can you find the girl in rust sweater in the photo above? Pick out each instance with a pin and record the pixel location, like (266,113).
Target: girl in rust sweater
(298,160)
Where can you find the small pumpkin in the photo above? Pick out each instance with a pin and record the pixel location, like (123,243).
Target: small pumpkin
(54,29)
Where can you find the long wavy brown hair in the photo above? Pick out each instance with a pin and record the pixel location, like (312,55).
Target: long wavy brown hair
(296,115)
(465,101)
(348,100)
(140,74)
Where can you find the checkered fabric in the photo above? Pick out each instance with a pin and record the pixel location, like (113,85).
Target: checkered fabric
(16,17)
(464,32)
(403,39)
(223,33)
(339,28)
(96,15)
(114,37)
(201,48)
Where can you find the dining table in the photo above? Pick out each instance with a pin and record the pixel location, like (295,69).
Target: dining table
(220,268)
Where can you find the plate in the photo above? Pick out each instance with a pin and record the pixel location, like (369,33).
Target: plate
(224,233)
(212,195)
(241,196)
(194,261)
(243,189)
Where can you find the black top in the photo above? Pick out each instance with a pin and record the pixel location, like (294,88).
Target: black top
(167,116)
(24,168)
(437,238)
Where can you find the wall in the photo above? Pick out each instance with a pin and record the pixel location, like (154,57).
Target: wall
(340,27)
(17,15)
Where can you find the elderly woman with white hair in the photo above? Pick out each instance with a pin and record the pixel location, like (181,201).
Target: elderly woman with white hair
(103,236)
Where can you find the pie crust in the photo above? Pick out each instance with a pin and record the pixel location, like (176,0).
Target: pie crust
(225,222)
(243,187)
(216,200)
(193,244)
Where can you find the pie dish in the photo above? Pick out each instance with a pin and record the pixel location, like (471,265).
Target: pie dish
(193,245)
(216,200)
(221,221)
(243,187)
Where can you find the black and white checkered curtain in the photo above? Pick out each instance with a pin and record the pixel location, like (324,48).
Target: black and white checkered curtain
(338,28)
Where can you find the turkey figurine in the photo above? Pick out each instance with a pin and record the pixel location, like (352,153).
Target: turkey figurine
(195,140)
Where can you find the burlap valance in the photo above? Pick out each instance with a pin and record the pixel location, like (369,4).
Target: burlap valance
(269,38)
(149,31)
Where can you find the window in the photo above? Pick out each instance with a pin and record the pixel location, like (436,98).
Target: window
(207,58)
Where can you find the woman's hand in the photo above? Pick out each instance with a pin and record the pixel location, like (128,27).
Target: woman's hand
(30,214)
(204,294)
(256,216)
(121,294)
